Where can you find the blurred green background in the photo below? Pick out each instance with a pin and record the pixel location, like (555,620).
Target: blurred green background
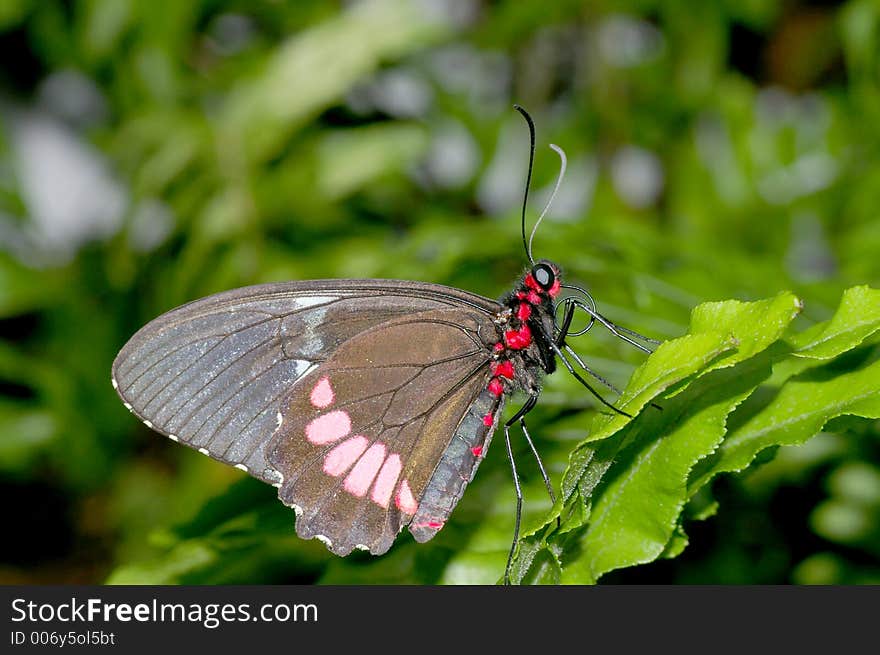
(155,151)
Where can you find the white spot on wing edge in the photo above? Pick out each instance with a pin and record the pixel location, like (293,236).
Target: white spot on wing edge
(324,539)
(204,451)
(273,475)
(114,383)
(127,405)
(241,467)
(362,547)
(296,508)
(148,424)
(173,437)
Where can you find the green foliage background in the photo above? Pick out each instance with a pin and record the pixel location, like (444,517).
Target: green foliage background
(154,152)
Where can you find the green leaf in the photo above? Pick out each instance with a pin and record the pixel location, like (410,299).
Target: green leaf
(637,478)
(856,318)
(12,12)
(313,69)
(242,534)
(26,432)
(635,510)
(677,543)
(349,159)
(23,290)
(188,557)
(856,321)
(672,362)
(755,325)
(741,326)
(797,412)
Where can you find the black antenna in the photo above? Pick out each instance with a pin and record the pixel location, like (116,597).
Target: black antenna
(528,177)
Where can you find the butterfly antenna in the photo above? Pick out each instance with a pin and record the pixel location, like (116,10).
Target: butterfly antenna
(531,123)
(564,163)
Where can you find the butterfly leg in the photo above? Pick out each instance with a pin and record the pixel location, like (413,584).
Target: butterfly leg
(520,417)
(589,306)
(522,424)
(518,503)
(587,369)
(583,382)
(560,343)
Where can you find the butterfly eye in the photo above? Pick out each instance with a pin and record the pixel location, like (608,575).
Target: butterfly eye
(544,275)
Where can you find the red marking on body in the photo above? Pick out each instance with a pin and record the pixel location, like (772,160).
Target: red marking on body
(503,370)
(488,420)
(518,339)
(365,471)
(498,347)
(404,499)
(328,428)
(522,295)
(532,283)
(322,394)
(523,311)
(340,459)
(555,288)
(477,451)
(534,298)
(385,481)
(495,387)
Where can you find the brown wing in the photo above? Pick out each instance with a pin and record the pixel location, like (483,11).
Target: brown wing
(388,431)
(212,374)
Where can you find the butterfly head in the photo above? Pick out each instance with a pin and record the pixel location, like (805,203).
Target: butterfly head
(542,283)
(526,327)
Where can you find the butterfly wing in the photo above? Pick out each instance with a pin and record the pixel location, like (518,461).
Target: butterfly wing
(388,431)
(212,374)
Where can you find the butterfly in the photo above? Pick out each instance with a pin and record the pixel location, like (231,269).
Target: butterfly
(369,404)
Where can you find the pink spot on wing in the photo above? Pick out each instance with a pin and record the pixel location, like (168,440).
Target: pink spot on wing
(322,394)
(433,524)
(477,451)
(340,459)
(404,500)
(363,473)
(329,427)
(488,420)
(385,481)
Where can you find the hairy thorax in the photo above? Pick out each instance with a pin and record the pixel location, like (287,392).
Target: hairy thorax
(523,351)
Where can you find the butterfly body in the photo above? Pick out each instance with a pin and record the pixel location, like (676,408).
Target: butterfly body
(369,404)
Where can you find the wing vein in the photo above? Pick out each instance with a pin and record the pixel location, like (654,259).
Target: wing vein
(199,406)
